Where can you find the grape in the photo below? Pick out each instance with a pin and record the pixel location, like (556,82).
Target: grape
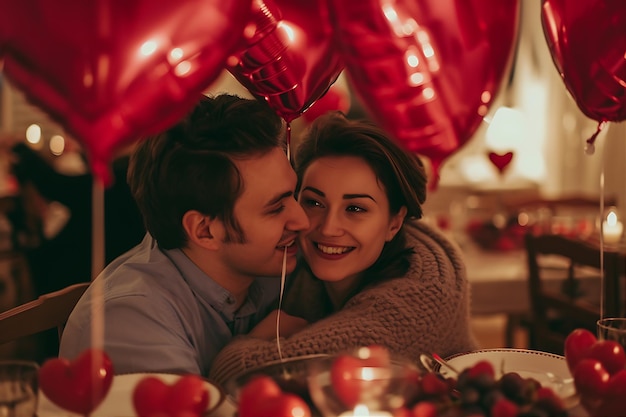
(470,395)
(490,398)
(479,394)
(512,385)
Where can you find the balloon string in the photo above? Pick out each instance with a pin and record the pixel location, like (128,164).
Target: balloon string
(280,303)
(97,263)
(284,269)
(592,140)
(602,277)
(289,141)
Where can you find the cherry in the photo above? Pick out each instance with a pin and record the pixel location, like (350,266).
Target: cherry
(504,408)
(481,368)
(432,384)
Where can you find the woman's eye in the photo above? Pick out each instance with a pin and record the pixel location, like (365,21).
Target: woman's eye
(310,203)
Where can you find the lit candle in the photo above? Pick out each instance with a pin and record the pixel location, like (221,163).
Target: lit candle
(612,228)
(361,410)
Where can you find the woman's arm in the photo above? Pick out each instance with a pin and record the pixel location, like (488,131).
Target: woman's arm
(266,329)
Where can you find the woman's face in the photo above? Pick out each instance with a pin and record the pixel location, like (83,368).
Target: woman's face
(349,217)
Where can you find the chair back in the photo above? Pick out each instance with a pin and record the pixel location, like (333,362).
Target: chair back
(556,312)
(49,311)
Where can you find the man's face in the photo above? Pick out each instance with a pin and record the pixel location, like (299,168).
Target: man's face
(269,217)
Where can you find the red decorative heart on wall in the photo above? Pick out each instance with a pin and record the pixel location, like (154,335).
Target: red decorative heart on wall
(113,71)
(80,385)
(500,161)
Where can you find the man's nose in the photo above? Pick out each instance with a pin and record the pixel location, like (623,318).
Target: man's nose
(299,219)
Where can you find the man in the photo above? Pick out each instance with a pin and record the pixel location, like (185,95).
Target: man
(216,192)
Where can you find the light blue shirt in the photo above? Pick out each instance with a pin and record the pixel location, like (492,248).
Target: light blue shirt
(163,314)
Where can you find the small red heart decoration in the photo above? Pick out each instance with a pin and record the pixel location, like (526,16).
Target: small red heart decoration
(285,405)
(500,161)
(187,396)
(79,385)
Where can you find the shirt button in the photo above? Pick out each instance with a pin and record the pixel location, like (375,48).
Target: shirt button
(230,300)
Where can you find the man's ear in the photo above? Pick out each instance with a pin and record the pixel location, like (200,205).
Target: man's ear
(202,230)
(396,223)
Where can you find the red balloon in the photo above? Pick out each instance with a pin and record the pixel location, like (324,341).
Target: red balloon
(111,71)
(427,70)
(291,58)
(334,99)
(587,41)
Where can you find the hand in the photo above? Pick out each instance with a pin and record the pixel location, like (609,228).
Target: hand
(266,329)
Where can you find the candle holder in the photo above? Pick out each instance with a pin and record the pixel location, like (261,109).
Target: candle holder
(612,228)
(355,384)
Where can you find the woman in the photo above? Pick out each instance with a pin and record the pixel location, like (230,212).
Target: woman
(371,273)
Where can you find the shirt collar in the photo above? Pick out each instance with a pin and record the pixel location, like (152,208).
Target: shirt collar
(209,291)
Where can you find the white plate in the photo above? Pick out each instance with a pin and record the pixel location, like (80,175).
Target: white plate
(549,369)
(118,401)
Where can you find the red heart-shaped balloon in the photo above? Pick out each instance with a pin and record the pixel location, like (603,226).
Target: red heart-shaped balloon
(427,70)
(587,41)
(79,385)
(112,71)
(291,59)
(501,161)
(188,396)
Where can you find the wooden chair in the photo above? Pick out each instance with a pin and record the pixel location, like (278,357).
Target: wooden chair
(47,312)
(555,313)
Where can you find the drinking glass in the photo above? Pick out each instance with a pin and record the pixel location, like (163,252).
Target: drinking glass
(18,388)
(612,329)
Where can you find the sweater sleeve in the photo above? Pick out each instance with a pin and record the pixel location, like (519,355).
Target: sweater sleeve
(425,311)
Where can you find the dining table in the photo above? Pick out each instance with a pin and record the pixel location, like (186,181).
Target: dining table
(499,280)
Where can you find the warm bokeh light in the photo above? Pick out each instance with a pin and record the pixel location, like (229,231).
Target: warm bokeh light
(33,134)
(148,48)
(506,131)
(57,145)
(176,54)
(182,68)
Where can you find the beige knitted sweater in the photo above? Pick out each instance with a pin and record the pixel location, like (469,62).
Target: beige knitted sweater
(427,310)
